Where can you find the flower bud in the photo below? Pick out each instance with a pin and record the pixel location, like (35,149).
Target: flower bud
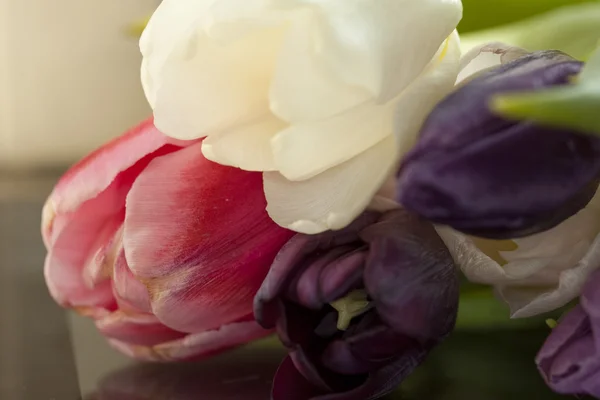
(570,359)
(493,177)
(161,247)
(359,308)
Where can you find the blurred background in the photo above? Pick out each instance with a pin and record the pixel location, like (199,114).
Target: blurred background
(69,81)
(69,74)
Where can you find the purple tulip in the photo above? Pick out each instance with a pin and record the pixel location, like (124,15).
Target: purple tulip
(395,286)
(485,175)
(570,359)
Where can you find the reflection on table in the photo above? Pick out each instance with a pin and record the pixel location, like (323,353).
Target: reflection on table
(470,365)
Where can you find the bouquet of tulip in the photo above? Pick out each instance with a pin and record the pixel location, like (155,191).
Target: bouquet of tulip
(326,170)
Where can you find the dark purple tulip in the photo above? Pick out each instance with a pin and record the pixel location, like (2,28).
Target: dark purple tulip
(570,359)
(407,279)
(485,175)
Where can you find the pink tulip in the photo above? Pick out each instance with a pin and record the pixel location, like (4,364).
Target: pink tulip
(164,249)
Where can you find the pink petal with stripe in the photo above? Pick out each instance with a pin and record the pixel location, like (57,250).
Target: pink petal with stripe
(130,293)
(94,173)
(198,345)
(85,211)
(198,236)
(136,329)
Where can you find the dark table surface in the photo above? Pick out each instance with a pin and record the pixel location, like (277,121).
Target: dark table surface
(47,354)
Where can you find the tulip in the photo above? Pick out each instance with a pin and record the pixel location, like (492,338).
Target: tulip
(395,289)
(492,177)
(164,249)
(536,274)
(570,359)
(508,183)
(323,96)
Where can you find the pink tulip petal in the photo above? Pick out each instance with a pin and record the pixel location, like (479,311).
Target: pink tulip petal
(84,234)
(130,293)
(93,174)
(198,236)
(78,240)
(100,265)
(198,345)
(136,329)
(71,292)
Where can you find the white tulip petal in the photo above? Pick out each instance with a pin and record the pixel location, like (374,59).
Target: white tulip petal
(545,272)
(382,46)
(161,37)
(476,265)
(334,198)
(305,150)
(210,92)
(582,227)
(197,85)
(303,89)
(528,298)
(420,97)
(525,297)
(487,56)
(247,147)
(527,302)
(228,20)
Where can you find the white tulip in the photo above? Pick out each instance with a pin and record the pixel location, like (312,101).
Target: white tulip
(536,274)
(323,96)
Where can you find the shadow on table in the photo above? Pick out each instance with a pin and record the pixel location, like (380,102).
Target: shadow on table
(471,365)
(245,374)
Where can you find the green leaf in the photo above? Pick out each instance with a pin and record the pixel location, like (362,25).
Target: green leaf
(572,29)
(574,107)
(485,14)
(591,71)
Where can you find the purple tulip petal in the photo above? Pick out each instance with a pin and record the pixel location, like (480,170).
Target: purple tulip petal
(384,380)
(573,322)
(343,275)
(377,384)
(411,277)
(327,277)
(485,175)
(312,371)
(292,258)
(590,301)
(591,385)
(289,384)
(367,351)
(570,357)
